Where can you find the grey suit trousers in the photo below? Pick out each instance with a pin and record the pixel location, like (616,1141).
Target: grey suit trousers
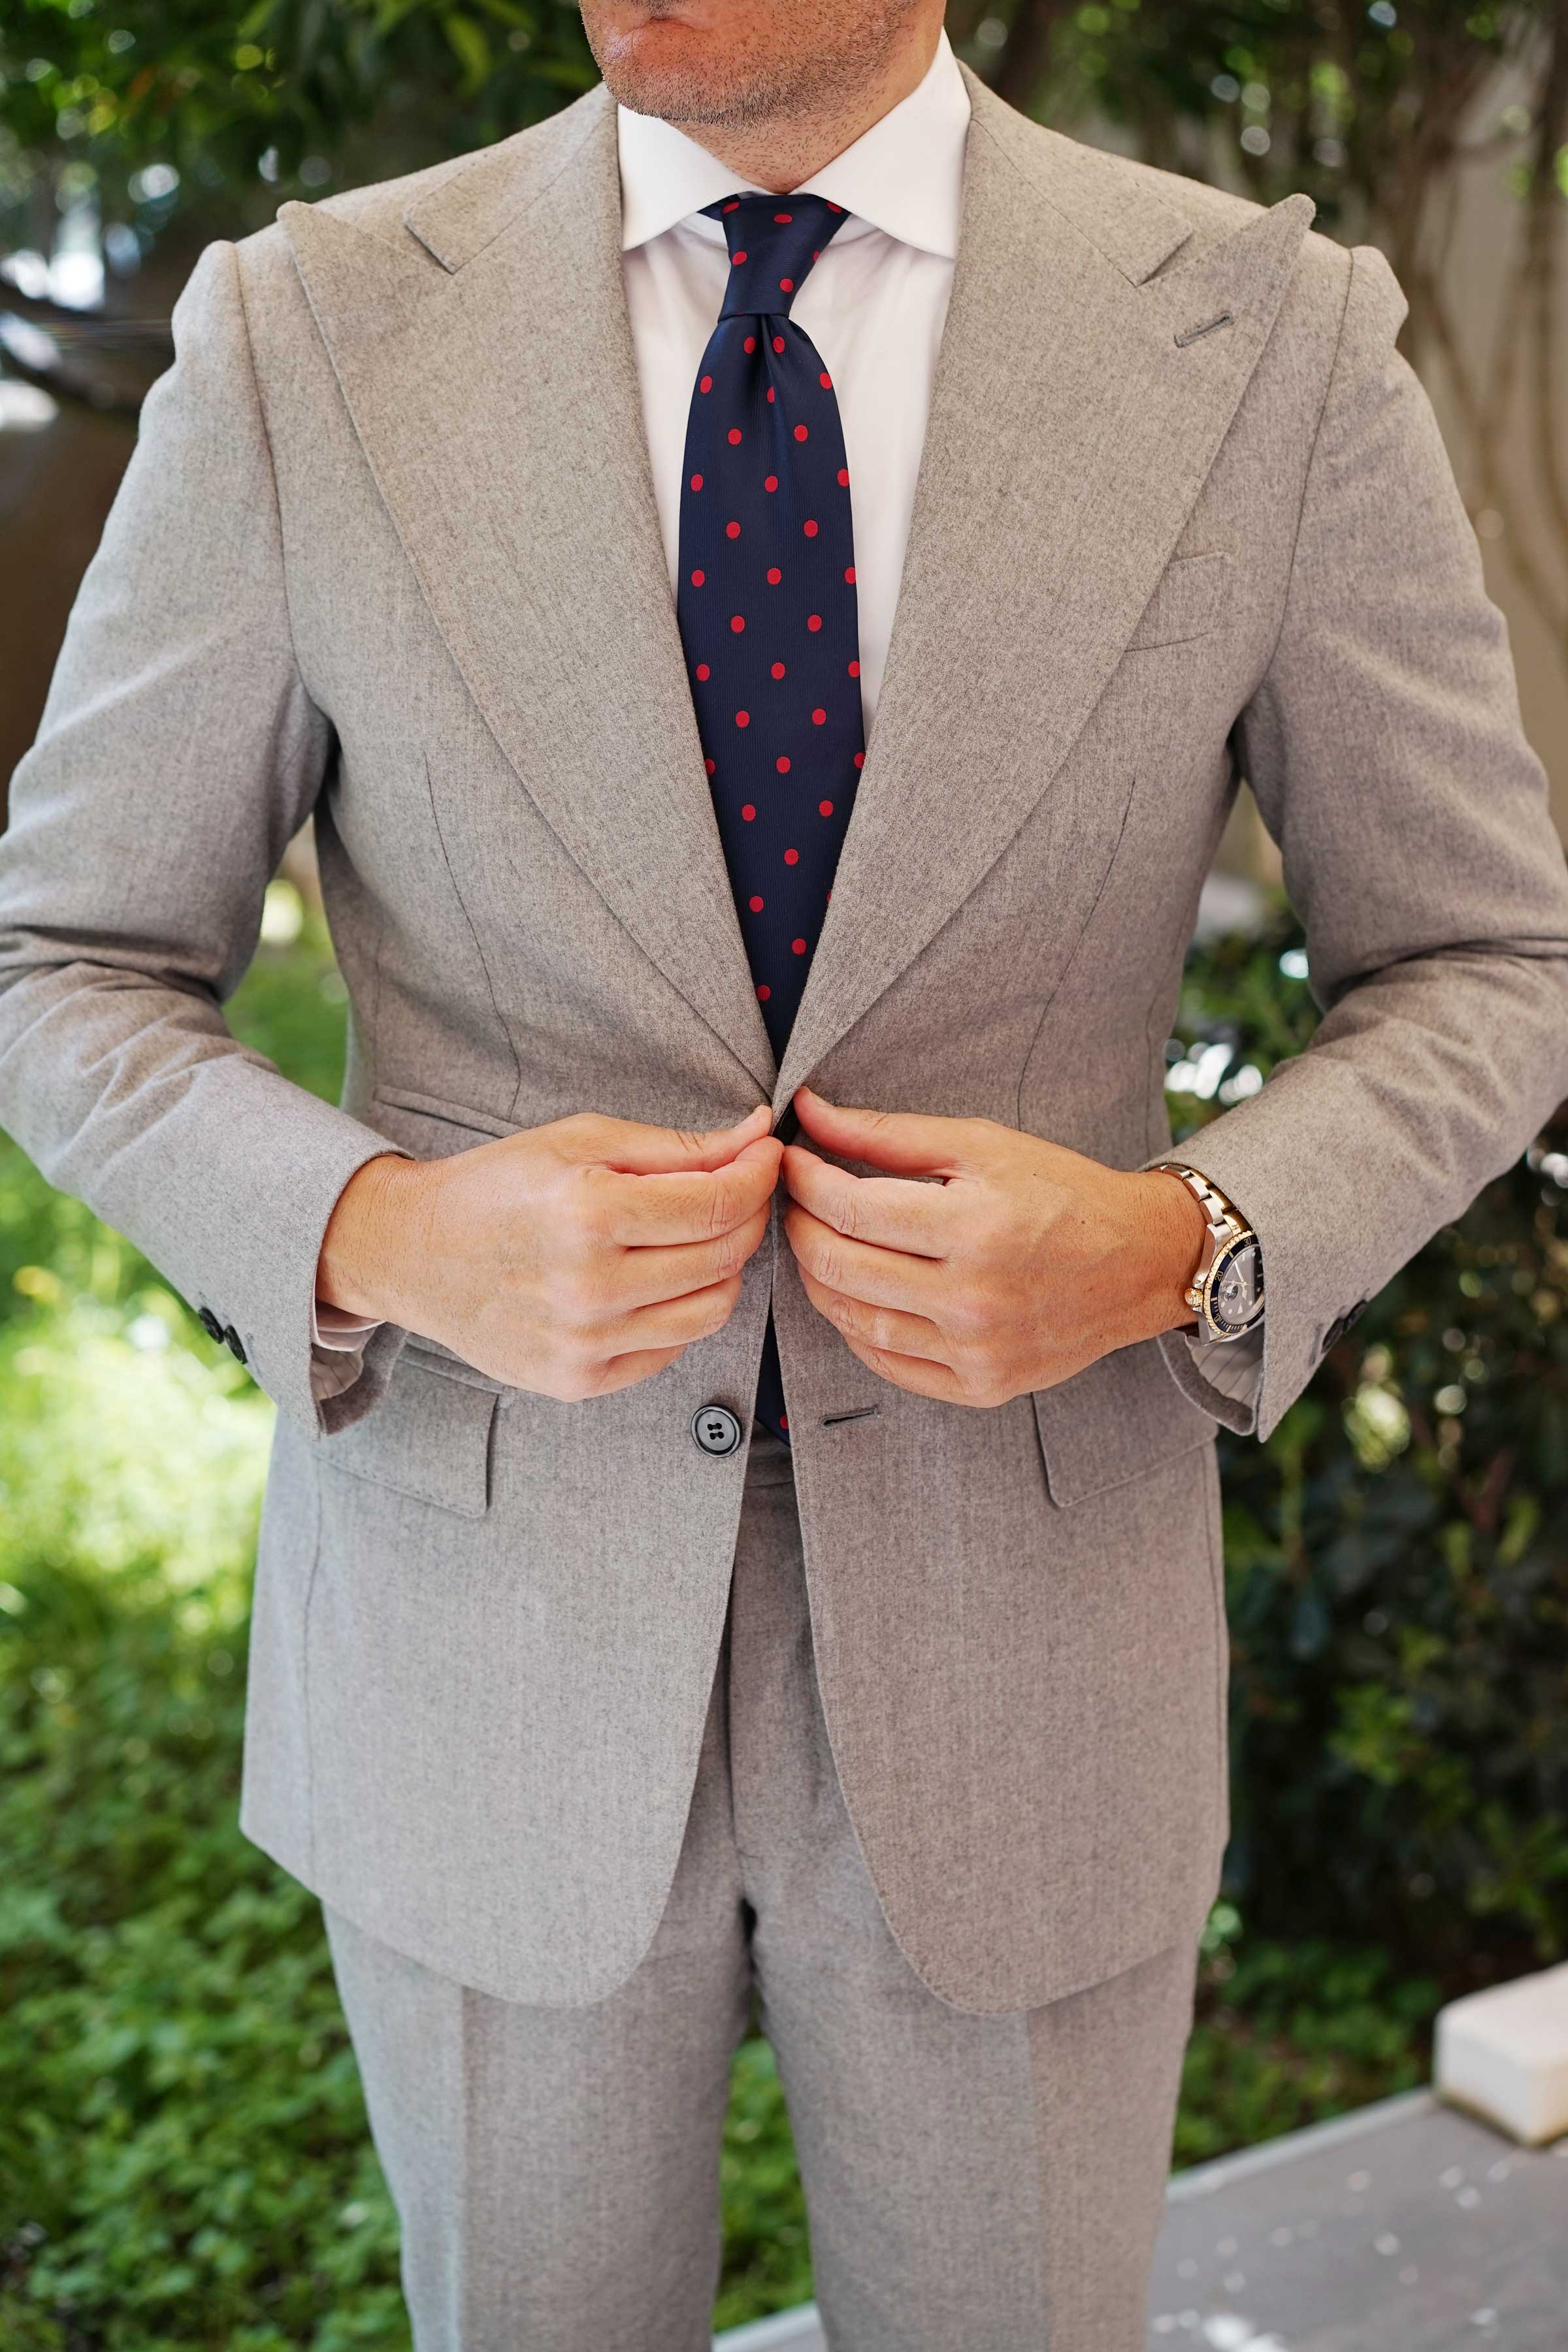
(972,2181)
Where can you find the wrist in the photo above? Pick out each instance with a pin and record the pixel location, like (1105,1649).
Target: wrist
(370,1252)
(1174,1236)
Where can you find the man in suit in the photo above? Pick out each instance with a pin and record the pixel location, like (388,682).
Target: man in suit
(700,1564)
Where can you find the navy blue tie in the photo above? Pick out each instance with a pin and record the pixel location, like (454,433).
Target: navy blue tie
(767,610)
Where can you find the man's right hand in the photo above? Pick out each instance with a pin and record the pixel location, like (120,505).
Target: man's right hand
(570,1259)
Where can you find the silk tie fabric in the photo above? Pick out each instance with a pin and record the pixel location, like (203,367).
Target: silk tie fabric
(766,603)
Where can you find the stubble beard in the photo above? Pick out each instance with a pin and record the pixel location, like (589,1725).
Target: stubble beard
(757,86)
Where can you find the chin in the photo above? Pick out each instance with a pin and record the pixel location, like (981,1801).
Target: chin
(668,68)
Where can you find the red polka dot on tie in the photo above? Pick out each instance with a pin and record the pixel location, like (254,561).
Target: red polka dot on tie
(860,759)
(771,482)
(709,765)
(732,531)
(811,530)
(826,381)
(782,764)
(775,576)
(835,208)
(791,857)
(750,345)
(778,343)
(764,992)
(743,717)
(755,905)
(824,808)
(698,578)
(734,437)
(844,477)
(817,257)
(783,216)
(705,383)
(786,285)
(814,620)
(849,576)
(737,259)
(748,811)
(854,670)
(702,670)
(778,669)
(697,481)
(800,432)
(737,621)
(799,946)
(819,717)
(733,205)
(770,395)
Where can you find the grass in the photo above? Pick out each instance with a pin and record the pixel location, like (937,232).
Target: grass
(183,2159)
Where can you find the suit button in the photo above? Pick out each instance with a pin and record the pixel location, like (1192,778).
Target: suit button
(715,1429)
(231,1341)
(209,1323)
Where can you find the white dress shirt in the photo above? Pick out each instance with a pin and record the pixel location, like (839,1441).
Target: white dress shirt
(875,306)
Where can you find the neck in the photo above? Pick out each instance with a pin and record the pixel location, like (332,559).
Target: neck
(784,150)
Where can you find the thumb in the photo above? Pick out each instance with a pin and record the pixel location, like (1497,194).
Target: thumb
(634,1150)
(904,1142)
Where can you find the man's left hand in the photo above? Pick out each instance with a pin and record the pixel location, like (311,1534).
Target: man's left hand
(1020,1265)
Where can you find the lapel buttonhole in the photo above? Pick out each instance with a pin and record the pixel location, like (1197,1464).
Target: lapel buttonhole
(1226,318)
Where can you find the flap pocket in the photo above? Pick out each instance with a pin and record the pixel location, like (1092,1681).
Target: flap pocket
(1113,1421)
(429,1437)
(1189,597)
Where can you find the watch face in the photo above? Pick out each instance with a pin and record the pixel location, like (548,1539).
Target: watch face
(1236,1286)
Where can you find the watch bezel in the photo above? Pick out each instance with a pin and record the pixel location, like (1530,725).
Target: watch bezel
(1224,1255)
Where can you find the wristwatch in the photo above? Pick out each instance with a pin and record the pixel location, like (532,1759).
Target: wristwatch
(1227,1292)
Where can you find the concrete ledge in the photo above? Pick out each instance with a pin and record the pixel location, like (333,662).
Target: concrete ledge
(789,2331)
(1503,2053)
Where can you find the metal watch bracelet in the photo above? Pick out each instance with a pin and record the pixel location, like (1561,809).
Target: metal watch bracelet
(1227,1292)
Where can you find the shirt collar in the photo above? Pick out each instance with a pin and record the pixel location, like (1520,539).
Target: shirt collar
(904,176)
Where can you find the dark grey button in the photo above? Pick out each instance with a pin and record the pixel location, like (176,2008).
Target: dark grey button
(232,1341)
(209,1323)
(1341,1324)
(715,1429)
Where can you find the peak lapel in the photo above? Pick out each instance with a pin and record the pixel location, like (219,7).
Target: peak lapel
(1069,435)
(490,374)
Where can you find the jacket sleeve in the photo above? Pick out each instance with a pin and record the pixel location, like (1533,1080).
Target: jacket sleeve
(179,750)
(1385,747)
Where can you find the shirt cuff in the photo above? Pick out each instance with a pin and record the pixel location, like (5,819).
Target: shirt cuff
(1223,1376)
(335,1328)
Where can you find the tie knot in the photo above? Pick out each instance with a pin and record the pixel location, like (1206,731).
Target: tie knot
(773,241)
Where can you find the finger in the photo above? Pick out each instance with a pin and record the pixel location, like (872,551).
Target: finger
(641,1277)
(889,1210)
(888,1330)
(694,1205)
(905,1141)
(673,1322)
(912,1373)
(636,1150)
(882,1277)
(640,1364)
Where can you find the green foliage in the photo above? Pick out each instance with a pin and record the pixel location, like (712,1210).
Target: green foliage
(1397,1568)
(264,99)
(767,2260)
(1286,94)
(1288,2033)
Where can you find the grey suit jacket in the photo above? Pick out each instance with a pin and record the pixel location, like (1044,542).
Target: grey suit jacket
(387,550)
